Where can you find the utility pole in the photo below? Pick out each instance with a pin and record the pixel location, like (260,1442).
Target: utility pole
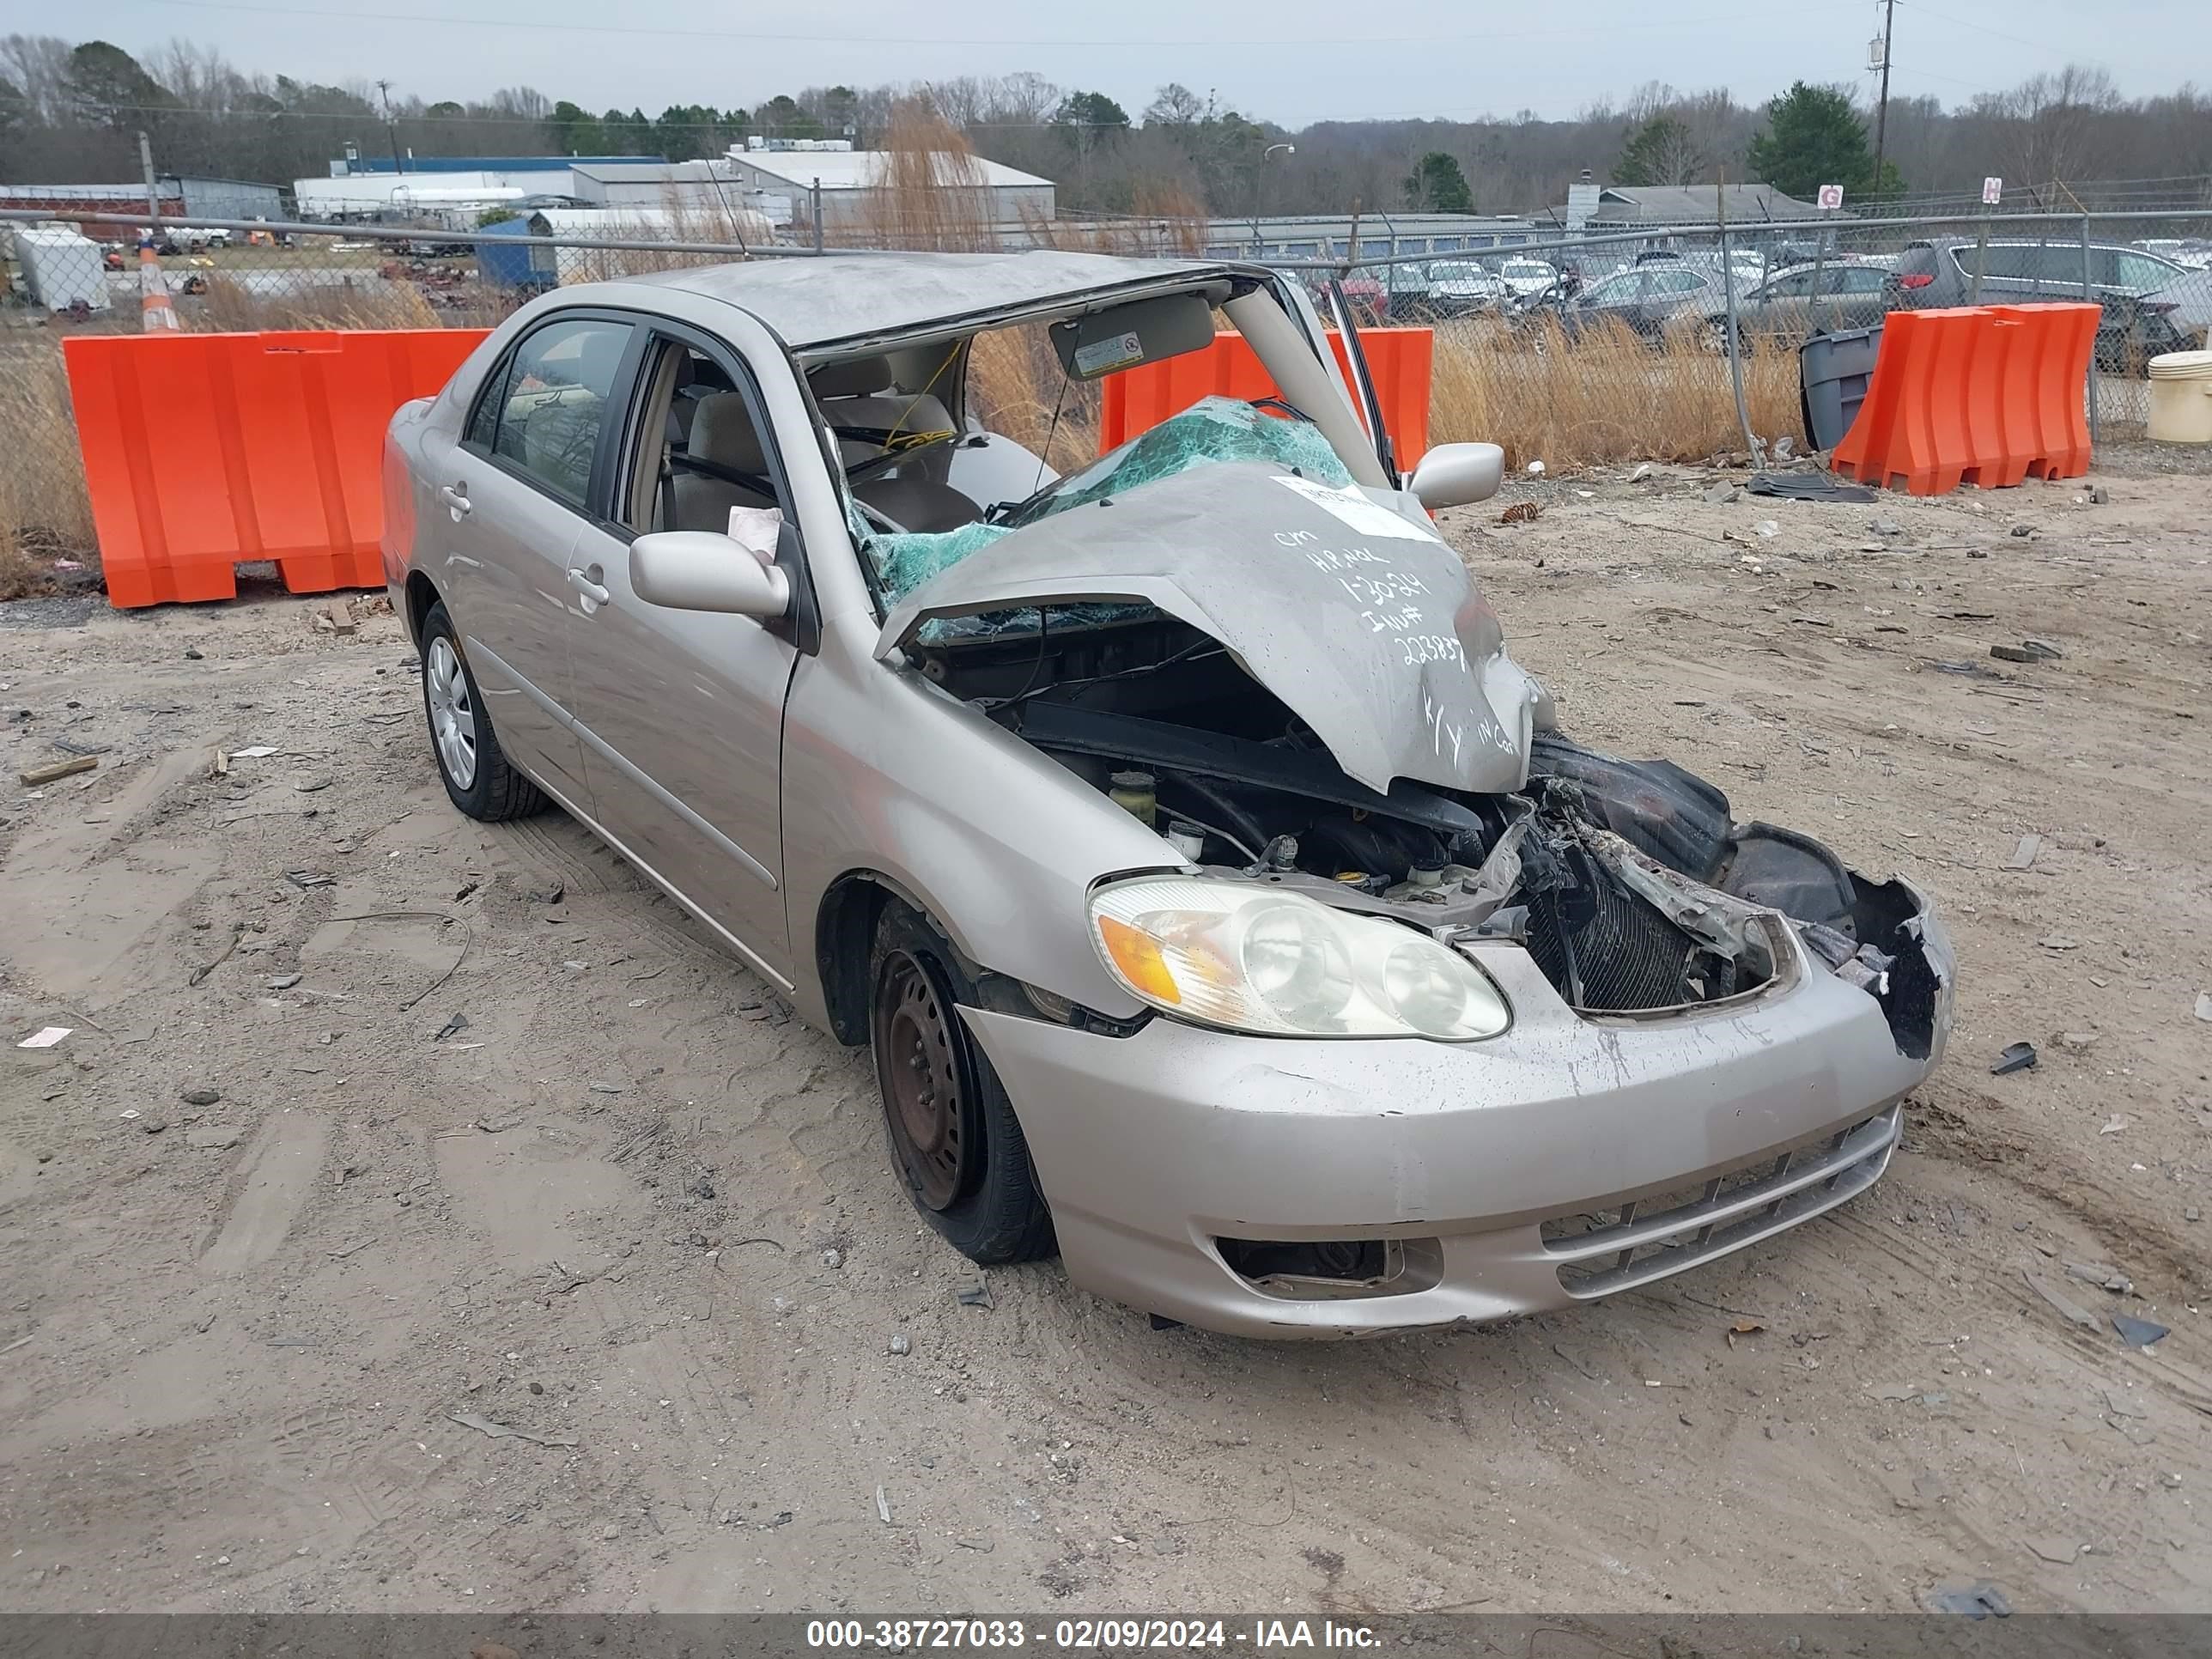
(392,130)
(153,190)
(1882,109)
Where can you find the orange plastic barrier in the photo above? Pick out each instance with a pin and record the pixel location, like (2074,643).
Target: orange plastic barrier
(1399,359)
(1986,395)
(202,451)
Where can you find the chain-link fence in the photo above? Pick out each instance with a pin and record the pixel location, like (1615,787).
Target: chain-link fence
(1630,344)
(1623,345)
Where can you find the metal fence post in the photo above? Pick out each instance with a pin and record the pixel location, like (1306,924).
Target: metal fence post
(1735,343)
(2089,293)
(818,215)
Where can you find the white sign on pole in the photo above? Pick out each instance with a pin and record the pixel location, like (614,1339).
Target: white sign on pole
(1991,189)
(1831,198)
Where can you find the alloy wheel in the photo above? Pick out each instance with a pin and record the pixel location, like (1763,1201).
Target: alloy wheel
(453,713)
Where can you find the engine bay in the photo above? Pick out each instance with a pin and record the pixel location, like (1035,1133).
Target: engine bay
(1630,883)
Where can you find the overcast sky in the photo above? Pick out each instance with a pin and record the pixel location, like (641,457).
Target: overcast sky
(1304,60)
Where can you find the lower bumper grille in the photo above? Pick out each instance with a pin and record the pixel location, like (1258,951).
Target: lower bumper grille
(1646,1239)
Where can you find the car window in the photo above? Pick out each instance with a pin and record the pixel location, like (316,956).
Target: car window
(1790,287)
(703,444)
(553,404)
(1613,290)
(483,420)
(1859,279)
(1675,282)
(2138,271)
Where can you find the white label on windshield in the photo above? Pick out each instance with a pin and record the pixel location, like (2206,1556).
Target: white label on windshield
(1104,356)
(1357,511)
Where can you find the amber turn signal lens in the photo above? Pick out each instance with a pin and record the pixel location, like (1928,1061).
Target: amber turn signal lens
(1138,956)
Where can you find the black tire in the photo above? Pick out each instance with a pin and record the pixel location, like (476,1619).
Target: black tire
(955,1142)
(494,789)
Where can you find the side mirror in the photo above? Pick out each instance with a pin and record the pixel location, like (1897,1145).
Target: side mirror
(703,570)
(1453,474)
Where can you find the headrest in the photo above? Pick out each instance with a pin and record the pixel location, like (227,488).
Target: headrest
(598,357)
(723,432)
(856,377)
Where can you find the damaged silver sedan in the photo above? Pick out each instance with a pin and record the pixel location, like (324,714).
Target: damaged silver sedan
(1223,907)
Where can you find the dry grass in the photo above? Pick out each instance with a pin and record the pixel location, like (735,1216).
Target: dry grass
(1014,385)
(1610,396)
(44,510)
(367,301)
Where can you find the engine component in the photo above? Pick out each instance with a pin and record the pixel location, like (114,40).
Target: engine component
(1134,792)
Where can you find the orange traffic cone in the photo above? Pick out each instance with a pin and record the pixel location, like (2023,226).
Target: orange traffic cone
(155,310)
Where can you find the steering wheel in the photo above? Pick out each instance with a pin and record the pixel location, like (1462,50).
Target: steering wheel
(882,520)
(868,466)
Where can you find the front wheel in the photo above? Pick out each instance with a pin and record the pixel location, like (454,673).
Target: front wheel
(955,1140)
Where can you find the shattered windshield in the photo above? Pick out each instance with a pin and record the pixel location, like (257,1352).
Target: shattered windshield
(1211,432)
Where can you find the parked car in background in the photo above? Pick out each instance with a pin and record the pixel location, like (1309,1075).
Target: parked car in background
(2181,250)
(1366,292)
(1406,287)
(1792,306)
(1252,937)
(1460,288)
(1651,299)
(2151,305)
(1525,278)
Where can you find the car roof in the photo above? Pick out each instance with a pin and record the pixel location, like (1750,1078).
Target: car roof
(816,300)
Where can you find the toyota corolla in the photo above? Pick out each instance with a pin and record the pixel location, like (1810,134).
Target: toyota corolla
(1222,906)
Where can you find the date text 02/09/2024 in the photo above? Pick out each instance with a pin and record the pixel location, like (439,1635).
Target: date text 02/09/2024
(1091,1634)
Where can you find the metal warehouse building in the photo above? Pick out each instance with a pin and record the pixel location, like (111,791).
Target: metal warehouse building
(787,178)
(181,196)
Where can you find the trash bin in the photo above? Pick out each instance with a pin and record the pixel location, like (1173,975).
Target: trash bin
(2181,398)
(1833,370)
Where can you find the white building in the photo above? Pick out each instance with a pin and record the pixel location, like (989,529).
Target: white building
(682,187)
(788,178)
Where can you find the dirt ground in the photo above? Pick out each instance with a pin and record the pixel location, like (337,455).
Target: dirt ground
(629,1208)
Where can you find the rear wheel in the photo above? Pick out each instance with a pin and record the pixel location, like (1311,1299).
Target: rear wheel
(954,1138)
(477,777)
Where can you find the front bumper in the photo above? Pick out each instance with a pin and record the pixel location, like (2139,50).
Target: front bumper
(1152,1148)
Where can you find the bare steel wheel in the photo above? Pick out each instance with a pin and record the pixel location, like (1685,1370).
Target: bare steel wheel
(958,1147)
(919,1072)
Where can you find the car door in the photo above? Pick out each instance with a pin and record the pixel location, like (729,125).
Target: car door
(1779,308)
(510,503)
(1861,298)
(1669,288)
(681,712)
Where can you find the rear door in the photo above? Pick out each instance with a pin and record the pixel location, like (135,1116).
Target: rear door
(509,504)
(681,712)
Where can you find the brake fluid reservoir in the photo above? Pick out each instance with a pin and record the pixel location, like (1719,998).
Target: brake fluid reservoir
(1133,792)
(1187,839)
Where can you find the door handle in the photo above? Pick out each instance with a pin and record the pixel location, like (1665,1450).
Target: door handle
(593,592)
(456,498)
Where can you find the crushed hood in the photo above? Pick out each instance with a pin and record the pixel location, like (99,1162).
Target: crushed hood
(1363,622)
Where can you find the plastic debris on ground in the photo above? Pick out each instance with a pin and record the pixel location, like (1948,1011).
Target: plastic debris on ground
(1211,430)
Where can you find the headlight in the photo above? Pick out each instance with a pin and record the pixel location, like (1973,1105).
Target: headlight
(1277,963)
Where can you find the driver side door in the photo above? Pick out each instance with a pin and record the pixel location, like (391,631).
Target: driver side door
(681,712)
